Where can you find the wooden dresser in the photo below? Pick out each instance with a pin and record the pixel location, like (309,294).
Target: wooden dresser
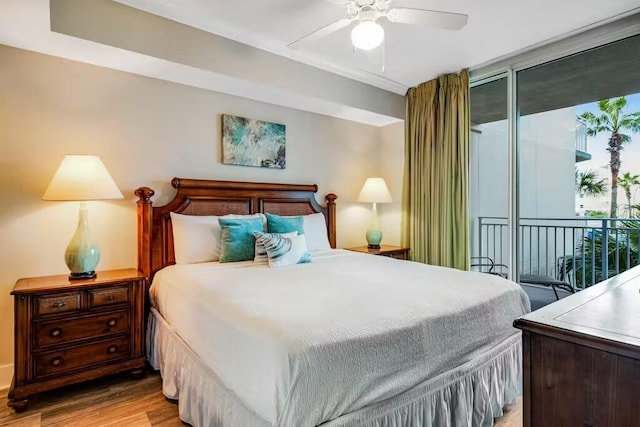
(582,357)
(71,331)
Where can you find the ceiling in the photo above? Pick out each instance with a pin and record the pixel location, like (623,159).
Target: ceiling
(606,72)
(411,54)
(239,47)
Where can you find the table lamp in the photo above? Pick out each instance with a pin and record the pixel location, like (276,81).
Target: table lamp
(374,191)
(82,178)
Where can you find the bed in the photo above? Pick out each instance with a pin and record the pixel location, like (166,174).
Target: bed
(346,340)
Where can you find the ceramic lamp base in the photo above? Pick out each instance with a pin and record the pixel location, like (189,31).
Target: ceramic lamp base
(82,254)
(374,237)
(83,275)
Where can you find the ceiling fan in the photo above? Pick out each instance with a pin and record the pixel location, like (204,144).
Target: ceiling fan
(369,34)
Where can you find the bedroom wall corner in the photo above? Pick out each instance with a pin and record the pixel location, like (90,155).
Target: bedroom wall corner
(146,131)
(6,373)
(391,166)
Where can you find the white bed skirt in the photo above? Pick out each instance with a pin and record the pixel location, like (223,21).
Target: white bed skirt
(471,395)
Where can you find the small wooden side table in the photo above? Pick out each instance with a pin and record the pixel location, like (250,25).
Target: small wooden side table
(385,250)
(72,331)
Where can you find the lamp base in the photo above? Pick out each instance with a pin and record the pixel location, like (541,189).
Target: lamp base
(83,275)
(373,246)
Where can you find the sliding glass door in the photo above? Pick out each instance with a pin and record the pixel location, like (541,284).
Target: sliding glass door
(555,168)
(579,166)
(489,176)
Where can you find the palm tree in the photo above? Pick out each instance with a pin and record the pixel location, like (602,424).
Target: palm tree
(626,181)
(613,121)
(587,183)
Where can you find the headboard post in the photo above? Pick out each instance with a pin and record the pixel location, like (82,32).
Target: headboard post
(145,223)
(331,211)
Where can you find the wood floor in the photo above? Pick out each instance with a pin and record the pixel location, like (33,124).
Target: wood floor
(123,402)
(113,401)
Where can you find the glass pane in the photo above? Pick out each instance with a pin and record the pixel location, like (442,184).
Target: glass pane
(569,236)
(488,178)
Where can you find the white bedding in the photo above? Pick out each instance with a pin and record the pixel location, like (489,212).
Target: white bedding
(305,344)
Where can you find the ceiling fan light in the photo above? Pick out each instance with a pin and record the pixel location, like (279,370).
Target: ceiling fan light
(367,35)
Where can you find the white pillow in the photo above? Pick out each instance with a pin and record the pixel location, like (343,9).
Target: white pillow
(315,232)
(197,238)
(283,251)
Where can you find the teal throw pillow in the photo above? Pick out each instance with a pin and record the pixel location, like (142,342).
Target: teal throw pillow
(238,242)
(284,224)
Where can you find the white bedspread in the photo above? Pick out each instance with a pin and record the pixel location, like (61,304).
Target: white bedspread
(304,344)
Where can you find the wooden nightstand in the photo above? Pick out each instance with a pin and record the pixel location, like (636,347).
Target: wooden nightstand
(385,250)
(71,331)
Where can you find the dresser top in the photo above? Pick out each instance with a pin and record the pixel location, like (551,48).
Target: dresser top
(608,313)
(62,282)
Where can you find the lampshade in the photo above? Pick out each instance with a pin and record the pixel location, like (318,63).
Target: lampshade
(82,178)
(374,190)
(367,35)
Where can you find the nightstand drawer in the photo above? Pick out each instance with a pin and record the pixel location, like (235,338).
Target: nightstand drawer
(91,354)
(57,303)
(60,331)
(108,296)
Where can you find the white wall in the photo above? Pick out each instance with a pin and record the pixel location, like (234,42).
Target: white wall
(547,164)
(391,164)
(146,131)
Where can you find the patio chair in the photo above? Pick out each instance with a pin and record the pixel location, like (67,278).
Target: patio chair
(489,266)
(564,268)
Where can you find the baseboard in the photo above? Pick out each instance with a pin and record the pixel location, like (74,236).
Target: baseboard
(6,374)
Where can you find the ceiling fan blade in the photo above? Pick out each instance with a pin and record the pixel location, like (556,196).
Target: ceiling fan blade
(320,32)
(429,18)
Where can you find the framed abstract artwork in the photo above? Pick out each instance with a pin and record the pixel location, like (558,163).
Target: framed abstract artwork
(250,142)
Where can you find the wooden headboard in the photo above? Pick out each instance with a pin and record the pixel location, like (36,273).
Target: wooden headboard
(204,197)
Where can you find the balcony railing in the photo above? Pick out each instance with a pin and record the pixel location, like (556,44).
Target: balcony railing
(569,249)
(581,135)
(581,141)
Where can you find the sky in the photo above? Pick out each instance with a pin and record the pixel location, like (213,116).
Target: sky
(596,146)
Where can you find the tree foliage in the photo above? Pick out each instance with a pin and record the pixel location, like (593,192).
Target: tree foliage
(627,182)
(589,184)
(621,253)
(613,121)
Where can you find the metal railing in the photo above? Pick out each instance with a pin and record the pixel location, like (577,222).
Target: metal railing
(579,251)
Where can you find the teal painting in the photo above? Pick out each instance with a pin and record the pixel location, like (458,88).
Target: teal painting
(250,142)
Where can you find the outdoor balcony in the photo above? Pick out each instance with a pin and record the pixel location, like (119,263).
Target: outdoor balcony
(567,250)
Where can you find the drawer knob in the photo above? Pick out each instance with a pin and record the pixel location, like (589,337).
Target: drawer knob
(56,361)
(112,322)
(109,297)
(58,304)
(55,332)
(112,349)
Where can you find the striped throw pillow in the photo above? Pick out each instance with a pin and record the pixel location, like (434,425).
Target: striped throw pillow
(261,251)
(283,251)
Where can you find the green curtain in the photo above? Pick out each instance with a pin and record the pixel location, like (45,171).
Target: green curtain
(435,200)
